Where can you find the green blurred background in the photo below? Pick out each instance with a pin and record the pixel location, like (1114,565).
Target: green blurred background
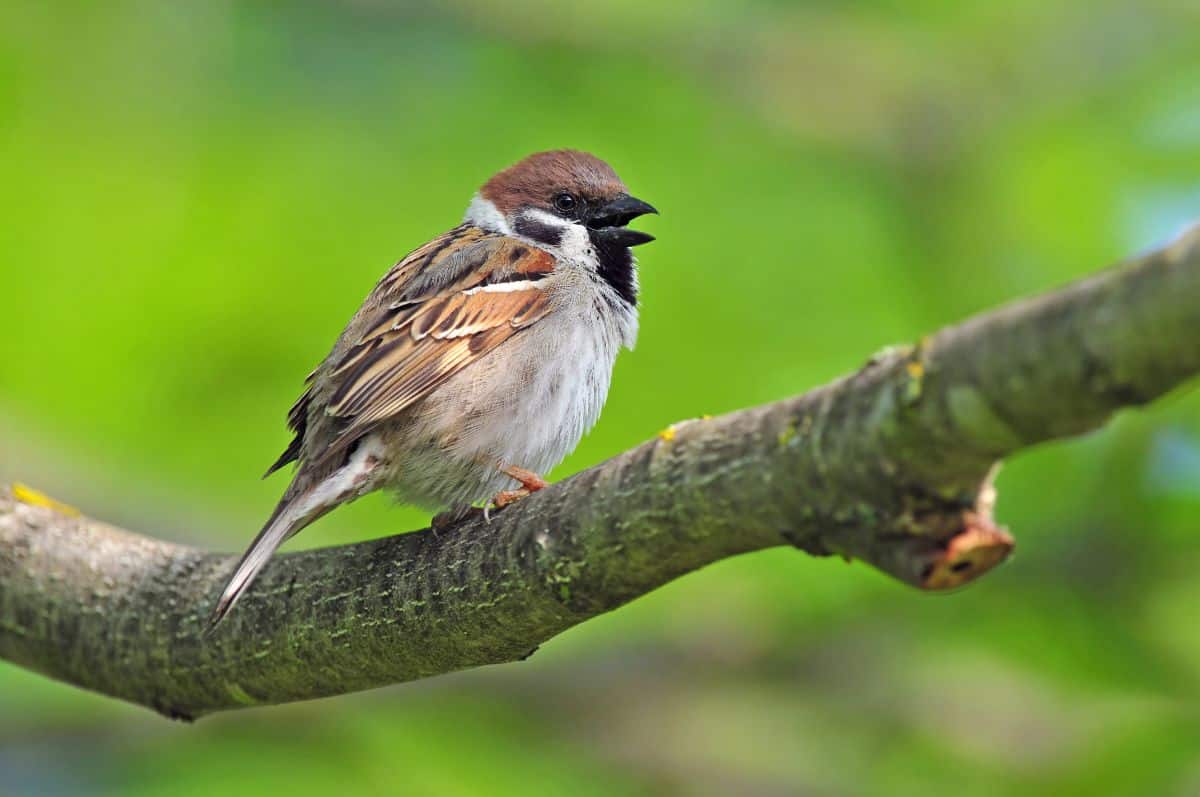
(198,195)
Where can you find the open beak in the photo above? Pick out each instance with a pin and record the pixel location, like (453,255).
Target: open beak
(608,222)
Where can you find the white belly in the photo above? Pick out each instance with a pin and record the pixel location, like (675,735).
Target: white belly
(528,403)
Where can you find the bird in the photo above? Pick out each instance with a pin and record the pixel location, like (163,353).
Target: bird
(477,363)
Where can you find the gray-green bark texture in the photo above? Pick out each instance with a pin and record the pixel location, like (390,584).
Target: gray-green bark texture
(890,465)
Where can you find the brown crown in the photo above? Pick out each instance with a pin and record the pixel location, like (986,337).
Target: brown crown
(537,179)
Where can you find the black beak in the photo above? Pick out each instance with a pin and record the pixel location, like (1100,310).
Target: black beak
(608,222)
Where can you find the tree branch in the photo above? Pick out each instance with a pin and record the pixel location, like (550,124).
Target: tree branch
(890,465)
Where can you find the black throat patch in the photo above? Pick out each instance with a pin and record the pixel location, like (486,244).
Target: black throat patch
(616,268)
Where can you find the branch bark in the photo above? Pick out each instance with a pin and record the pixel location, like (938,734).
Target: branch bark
(890,465)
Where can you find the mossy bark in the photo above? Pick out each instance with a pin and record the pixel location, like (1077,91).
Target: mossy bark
(890,465)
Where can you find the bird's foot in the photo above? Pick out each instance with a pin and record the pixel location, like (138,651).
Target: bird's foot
(506,497)
(530,483)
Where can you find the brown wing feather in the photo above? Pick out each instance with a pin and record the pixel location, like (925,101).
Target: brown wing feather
(428,318)
(298,423)
(448,334)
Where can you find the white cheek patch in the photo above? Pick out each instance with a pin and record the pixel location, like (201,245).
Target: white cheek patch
(483,213)
(549,219)
(574,242)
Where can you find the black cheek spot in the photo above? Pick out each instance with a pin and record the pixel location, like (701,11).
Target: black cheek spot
(517,253)
(537,231)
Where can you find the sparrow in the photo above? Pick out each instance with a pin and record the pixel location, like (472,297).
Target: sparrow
(477,362)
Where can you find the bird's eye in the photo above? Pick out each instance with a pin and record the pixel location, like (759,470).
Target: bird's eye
(565,203)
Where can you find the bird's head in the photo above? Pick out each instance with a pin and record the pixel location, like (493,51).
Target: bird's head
(561,199)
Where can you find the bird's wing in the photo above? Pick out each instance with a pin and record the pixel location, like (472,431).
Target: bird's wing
(441,308)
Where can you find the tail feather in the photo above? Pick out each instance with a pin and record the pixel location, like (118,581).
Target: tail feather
(292,514)
(309,496)
(253,560)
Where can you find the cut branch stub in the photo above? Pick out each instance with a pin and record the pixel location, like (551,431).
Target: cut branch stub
(938,549)
(975,550)
(974,545)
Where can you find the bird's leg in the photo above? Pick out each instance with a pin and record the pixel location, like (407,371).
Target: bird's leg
(530,483)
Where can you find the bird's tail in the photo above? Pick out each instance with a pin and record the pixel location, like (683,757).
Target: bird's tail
(296,510)
(316,489)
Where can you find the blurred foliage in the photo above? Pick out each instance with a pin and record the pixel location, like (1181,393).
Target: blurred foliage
(197,196)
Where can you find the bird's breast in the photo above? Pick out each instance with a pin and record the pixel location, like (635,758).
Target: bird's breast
(527,403)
